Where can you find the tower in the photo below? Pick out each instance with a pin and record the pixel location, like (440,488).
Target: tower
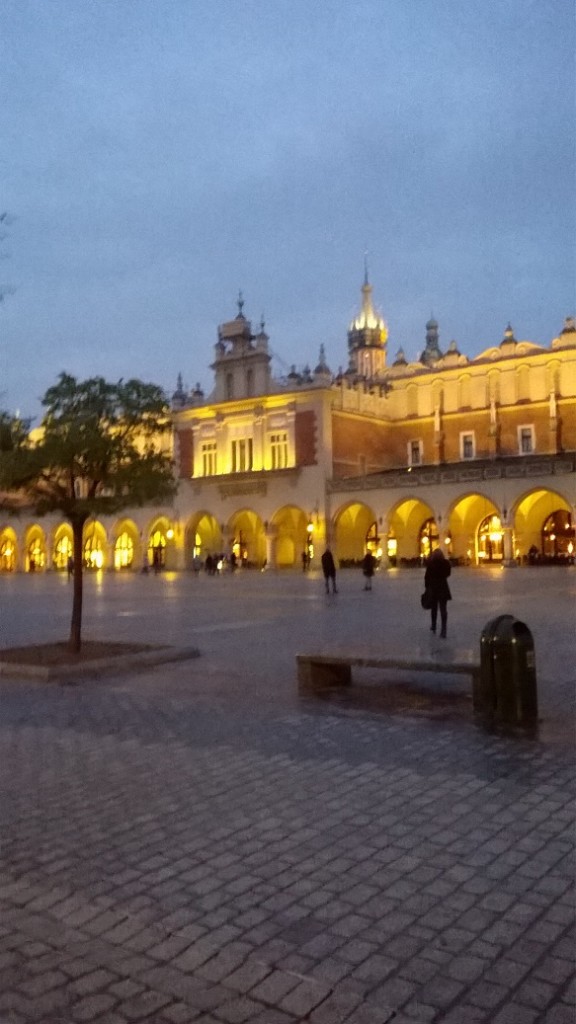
(367,337)
(431,353)
(241,360)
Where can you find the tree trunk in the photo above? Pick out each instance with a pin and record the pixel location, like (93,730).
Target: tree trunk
(76,624)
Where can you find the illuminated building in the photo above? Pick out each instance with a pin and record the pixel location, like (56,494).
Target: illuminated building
(476,454)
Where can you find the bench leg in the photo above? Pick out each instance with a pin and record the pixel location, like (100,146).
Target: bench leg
(316,675)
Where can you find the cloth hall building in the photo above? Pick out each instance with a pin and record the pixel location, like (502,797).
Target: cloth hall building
(477,455)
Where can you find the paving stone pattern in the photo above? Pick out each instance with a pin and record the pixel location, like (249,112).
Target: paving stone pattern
(178,848)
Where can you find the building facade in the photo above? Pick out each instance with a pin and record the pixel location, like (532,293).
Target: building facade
(477,455)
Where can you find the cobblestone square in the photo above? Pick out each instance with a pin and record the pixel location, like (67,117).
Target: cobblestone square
(195,842)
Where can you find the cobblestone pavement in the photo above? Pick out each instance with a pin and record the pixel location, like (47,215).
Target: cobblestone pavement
(196,844)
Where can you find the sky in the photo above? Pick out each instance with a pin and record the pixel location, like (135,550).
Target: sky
(157,156)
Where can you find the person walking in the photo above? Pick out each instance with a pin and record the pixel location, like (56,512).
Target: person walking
(368,566)
(329,570)
(436,581)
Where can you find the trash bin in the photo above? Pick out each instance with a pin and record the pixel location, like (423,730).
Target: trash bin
(507,691)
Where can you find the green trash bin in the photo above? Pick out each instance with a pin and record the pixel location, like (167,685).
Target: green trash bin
(508,691)
(484,697)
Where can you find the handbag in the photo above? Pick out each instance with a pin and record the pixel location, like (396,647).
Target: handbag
(426,600)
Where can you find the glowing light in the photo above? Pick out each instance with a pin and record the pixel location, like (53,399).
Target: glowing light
(169,533)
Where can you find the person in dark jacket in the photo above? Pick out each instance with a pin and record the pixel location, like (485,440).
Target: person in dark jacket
(368,564)
(436,581)
(329,570)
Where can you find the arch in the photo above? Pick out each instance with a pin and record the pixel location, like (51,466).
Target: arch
(62,547)
(247,538)
(292,536)
(411,400)
(465,391)
(406,521)
(35,549)
(203,535)
(353,527)
(469,525)
(558,537)
(159,536)
(94,542)
(532,511)
(127,553)
(8,550)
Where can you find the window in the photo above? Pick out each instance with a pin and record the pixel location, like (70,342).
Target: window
(242,455)
(414,453)
(229,386)
(209,458)
(526,440)
(279,450)
(467,446)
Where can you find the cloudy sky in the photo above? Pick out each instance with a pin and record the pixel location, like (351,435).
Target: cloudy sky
(159,155)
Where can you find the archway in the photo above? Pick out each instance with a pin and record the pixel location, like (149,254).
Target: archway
(94,546)
(294,537)
(35,549)
(544,527)
(63,548)
(354,529)
(247,538)
(8,550)
(475,531)
(558,537)
(203,537)
(412,532)
(490,540)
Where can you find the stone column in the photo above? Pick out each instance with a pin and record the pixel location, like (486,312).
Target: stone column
(384,531)
(271,533)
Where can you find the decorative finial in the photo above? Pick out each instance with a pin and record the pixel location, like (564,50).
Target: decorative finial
(366,267)
(262,323)
(240,303)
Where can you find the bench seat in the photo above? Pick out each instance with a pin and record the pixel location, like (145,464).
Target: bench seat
(323,671)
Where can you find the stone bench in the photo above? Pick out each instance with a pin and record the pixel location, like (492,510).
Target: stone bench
(318,672)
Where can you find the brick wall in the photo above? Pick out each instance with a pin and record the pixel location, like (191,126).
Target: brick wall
(305,437)
(185,454)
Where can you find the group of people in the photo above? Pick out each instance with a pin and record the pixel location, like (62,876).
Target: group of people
(438,570)
(214,564)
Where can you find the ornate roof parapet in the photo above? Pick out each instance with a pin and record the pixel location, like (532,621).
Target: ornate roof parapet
(322,372)
(179,398)
(432,353)
(567,336)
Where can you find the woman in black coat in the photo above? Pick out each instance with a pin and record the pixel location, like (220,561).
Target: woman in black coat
(436,581)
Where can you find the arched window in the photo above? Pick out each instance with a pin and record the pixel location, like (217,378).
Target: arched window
(464,393)
(411,400)
(373,541)
(62,552)
(558,536)
(428,538)
(490,540)
(124,551)
(93,552)
(157,549)
(36,554)
(7,555)
(523,384)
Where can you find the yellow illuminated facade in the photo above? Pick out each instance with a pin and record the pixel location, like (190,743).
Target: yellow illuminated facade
(474,454)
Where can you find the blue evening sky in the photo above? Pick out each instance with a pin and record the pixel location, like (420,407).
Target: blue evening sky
(159,155)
